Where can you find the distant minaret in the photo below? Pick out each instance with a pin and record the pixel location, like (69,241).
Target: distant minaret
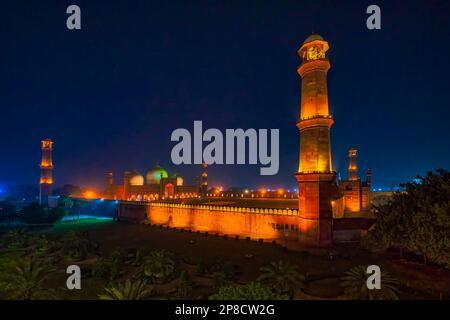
(109,179)
(204,186)
(352,167)
(368,177)
(126,185)
(46,181)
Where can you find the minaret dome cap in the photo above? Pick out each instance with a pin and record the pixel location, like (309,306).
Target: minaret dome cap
(313,37)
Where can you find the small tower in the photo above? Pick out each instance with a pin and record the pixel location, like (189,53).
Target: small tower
(46,181)
(352,167)
(204,186)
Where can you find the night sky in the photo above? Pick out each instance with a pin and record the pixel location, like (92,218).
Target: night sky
(110,94)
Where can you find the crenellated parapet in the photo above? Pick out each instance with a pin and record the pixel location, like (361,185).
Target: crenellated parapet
(275,211)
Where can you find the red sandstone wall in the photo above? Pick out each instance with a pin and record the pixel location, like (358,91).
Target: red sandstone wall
(243,224)
(267,226)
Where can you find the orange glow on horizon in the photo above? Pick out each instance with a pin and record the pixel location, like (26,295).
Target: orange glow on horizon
(89,194)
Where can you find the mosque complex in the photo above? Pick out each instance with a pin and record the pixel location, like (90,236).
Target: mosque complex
(326,212)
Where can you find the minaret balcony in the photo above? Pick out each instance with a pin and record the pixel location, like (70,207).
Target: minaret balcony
(315,121)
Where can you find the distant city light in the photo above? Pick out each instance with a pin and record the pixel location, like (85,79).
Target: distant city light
(89,194)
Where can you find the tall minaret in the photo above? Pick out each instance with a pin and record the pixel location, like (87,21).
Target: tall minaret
(204,186)
(315,176)
(352,167)
(46,181)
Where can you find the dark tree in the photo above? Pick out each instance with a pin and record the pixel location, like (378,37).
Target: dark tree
(417,219)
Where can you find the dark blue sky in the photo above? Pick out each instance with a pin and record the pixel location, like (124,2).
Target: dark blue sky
(111,94)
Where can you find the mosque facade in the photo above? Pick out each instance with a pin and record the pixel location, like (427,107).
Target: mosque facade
(155,185)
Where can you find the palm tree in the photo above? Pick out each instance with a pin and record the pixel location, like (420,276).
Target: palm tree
(355,285)
(25,278)
(282,277)
(130,290)
(77,246)
(17,238)
(159,265)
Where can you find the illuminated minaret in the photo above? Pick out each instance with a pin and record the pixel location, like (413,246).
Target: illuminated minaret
(204,186)
(126,185)
(46,181)
(315,176)
(352,167)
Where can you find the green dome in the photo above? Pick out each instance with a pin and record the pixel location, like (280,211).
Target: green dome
(154,175)
(313,37)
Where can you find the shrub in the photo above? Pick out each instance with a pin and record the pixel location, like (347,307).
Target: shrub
(24,279)
(77,245)
(251,291)
(37,214)
(159,266)
(130,290)
(101,269)
(16,239)
(281,277)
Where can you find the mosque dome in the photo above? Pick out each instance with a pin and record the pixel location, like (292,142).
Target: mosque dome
(154,175)
(136,179)
(313,37)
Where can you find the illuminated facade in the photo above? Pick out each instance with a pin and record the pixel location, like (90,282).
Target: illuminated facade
(46,180)
(155,186)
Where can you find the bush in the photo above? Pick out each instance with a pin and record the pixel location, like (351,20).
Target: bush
(159,266)
(77,246)
(16,239)
(101,269)
(111,268)
(117,262)
(37,214)
(129,290)
(251,291)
